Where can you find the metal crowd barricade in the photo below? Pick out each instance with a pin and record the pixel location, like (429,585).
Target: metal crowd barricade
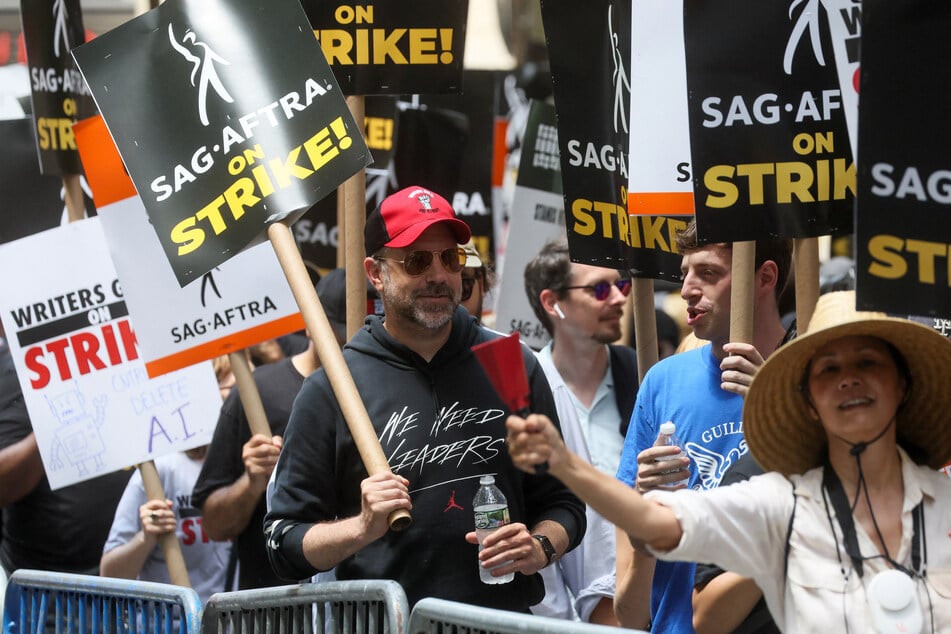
(39,601)
(438,616)
(372,606)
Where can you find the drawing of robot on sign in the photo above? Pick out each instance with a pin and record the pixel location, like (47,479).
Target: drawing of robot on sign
(77,439)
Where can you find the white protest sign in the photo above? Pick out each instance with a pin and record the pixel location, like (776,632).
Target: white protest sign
(243,301)
(845,26)
(659,162)
(537,217)
(92,406)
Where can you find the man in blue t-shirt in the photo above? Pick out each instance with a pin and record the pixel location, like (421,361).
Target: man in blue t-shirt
(701,391)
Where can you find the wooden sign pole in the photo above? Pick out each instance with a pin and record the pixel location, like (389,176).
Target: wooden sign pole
(331,358)
(741,295)
(171,548)
(249,395)
(806,257)
(355,217)
(645,325)
(169,541)
(73,197)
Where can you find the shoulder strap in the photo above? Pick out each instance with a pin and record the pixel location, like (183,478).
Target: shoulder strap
(919,545)
(843,513)
(792,516)
(624,372)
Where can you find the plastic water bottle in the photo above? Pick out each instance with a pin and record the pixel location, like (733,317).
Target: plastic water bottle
(491,512)
(668,436)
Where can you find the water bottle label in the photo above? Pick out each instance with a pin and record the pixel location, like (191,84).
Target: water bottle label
(491,519)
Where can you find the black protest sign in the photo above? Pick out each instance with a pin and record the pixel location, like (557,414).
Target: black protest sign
(392,48)
(318,237)
(539,165)
(430,148)
(381,129)
(316,233)
(903,263)
(422,144)
(590,54)
(440,141)
(220,132)
(60,97)
(32,202)
(453,135)
(768,133)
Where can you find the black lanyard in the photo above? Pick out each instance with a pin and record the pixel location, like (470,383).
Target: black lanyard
(843,512)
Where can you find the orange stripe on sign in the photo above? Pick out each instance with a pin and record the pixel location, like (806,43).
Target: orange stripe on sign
(499,151)
(104,169)
(225,345)
(660,204)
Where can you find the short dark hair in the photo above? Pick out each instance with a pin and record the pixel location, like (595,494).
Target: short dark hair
(779,250)
(551,269)
(489,278)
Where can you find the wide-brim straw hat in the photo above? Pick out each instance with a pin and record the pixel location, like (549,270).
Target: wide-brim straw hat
(776,420)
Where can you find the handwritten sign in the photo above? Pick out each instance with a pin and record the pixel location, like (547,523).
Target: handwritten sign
(92,405)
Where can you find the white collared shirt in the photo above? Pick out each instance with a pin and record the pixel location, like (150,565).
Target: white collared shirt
(743,527)
(599,424)
(575,584)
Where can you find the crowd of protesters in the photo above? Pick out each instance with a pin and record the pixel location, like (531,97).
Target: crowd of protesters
(812,496)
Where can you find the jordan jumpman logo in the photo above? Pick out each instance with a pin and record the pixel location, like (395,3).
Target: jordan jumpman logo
(452,502)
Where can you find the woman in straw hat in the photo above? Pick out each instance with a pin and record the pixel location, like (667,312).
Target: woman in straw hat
(848,529)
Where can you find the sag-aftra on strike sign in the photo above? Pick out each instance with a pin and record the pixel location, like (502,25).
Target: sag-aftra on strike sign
(398,47)
(227,118)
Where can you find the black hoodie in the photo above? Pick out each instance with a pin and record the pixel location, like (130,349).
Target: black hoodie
(441,425)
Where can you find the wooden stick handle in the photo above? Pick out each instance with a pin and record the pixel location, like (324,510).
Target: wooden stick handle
(645,325)
(741,294)
(172,550)
(355,217)
(249,395)
(73,197)
(806,254)
(341,225)
(331,358)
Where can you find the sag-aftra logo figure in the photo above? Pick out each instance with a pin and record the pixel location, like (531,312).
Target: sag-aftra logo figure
(203,65)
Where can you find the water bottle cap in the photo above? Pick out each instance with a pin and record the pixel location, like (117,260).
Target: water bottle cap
(668,428)
(487,479)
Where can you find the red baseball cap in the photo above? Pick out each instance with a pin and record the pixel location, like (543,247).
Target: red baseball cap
(403,216)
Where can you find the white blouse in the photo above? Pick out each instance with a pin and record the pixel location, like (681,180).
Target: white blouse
(743,528)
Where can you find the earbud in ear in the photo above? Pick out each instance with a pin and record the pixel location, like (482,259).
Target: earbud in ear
(558,310)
